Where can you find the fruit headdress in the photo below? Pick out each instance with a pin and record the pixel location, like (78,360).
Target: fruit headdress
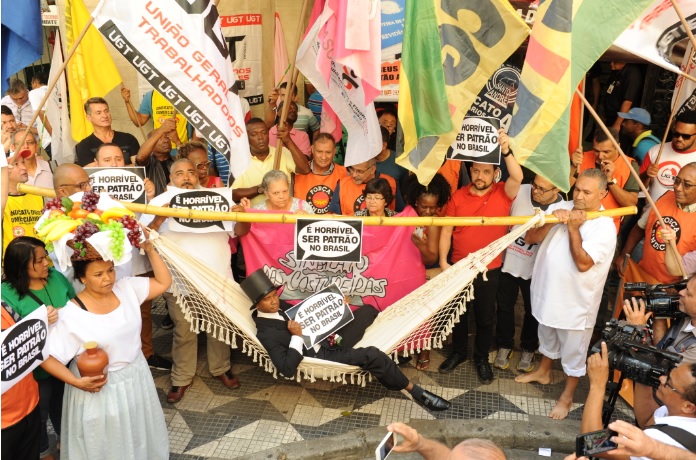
(74,228)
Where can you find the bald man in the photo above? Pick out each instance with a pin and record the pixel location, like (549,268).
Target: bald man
(469,449)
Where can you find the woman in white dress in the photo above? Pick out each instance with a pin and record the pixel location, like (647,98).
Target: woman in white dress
(118,417)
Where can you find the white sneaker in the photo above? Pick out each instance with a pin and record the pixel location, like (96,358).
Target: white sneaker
(502,359)
(526,363)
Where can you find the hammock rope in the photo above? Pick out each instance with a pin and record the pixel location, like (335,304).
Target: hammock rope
(420,320)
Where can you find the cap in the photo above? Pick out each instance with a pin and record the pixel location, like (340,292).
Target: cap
(637,114)
(257,286)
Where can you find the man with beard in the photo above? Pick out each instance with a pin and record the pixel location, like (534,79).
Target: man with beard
(213,250)
(317,187)
(300,139)
(680,151)
(572,264)
(483,197)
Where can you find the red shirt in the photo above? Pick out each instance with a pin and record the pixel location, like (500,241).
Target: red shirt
(466,240)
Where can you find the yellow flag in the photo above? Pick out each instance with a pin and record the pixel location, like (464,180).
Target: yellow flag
(91,71)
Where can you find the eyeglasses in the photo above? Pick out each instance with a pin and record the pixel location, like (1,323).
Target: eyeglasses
(686,137)
(81,185)
(353,170)
(374,198)
(541,190)
(669,385)
(679,182)
(205,165)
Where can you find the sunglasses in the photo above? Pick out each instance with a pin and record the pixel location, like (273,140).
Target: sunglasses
(686,137)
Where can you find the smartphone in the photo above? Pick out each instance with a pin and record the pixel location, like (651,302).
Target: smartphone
(594,442)
(384,448)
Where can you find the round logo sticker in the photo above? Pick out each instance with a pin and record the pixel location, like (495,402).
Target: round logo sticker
(656,241)
(18,231)
(319,198)
(667,172)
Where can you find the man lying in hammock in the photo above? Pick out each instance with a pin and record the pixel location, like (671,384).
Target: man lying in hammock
(283,341)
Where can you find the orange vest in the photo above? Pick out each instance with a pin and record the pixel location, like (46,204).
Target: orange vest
(684,223)
(22,398)
(316,189)
(621,173)
(352,199)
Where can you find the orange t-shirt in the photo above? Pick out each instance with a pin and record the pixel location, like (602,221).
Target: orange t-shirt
(450,171)
(21,399)
(352,195)
(684,223)
(621,174)
(316,189)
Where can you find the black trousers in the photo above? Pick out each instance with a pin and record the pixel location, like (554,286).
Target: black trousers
(483,306)
(21,440)
(370,359)
(505,328)
(50,405)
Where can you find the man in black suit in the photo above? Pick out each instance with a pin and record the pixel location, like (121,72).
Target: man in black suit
(283,341)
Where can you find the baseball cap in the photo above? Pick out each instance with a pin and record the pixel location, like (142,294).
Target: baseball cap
(637,114)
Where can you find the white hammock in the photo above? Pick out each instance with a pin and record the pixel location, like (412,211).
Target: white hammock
(421,320)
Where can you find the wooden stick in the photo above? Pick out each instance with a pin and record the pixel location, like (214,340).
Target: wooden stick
(669,123)
(673,244)
(52,84)
(291,218)
(291,84)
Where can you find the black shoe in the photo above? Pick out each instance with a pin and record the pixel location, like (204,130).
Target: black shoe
(452,361)
(432,401)
(484,371)
(403,361)
(157,362)
(167,322)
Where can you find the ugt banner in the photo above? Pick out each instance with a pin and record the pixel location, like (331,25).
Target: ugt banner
(390,266)
(243,33)
(178,46)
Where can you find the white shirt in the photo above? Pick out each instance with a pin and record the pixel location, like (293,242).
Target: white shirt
(671,163)
(520,256)
(117,332)
(43,176)
(562,296)
(35,96)
(662,416)
(22,114)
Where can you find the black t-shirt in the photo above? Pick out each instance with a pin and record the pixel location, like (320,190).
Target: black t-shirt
(86,149)
(624,85)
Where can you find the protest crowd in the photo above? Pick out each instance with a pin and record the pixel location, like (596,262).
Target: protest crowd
(73,270)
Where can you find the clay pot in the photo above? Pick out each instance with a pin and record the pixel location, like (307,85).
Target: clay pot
(93,362)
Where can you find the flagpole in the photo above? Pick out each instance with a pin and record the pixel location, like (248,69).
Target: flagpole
(137,118)
(672,244)
(52,85)
(291,84)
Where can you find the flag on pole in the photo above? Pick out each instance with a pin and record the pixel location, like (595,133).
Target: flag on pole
(687,96)
(280,53)
(653,35)
(181,50)
(469,42)
(340,55)
(558,57)
(91,71)
(21,40)
(62,144)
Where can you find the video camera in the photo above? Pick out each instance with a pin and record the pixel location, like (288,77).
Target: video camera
(657,297)
(629,354)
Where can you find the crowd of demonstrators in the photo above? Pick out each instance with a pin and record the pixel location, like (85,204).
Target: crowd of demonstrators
(483,197)
(198,154)
(155,154)
(515,277)
(306,121)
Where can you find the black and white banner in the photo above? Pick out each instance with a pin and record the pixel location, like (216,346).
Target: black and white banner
(200,199)
(22,347)
(178,46)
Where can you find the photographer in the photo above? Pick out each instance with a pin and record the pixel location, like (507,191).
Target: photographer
(676,394)
(681,336)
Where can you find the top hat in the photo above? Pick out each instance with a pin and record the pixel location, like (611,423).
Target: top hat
(257,286)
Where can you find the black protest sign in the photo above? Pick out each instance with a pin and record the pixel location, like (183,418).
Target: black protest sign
(321,315)
(477,141)
(22,348)
(335,240)
(214,200)
(123,184)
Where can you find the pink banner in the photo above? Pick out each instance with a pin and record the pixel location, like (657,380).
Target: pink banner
(390,267)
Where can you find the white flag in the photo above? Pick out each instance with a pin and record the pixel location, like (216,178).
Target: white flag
(179,47)
(58,111)
(653,35)
(687,95)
